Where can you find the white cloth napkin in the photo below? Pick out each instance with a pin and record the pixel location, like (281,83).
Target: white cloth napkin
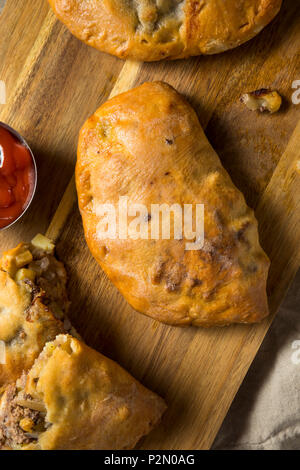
(265,414)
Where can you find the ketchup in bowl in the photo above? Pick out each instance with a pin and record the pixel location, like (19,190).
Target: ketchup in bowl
(17,176)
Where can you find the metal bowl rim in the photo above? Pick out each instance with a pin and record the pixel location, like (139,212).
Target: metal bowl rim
(21,139)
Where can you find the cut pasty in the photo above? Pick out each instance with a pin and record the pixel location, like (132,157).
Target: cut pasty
(33,304)
(75,398)
(148,147)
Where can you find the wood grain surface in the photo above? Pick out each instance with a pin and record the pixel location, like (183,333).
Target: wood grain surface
(54,83)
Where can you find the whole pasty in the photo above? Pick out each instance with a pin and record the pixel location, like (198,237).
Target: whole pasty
(151,30)
(75,398)
(33,304)
(147,145)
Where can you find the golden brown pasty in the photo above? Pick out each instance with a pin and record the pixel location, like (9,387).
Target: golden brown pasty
(75,398)
(33,304)
(151,30)
(147,145)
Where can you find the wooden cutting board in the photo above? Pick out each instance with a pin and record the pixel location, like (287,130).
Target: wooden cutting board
(53,84)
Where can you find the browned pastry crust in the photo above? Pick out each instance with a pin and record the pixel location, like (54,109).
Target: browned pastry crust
(150,30)
(32,312)
(75,398)
(147,144)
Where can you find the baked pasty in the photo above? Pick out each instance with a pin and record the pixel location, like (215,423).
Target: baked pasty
(75,398)
(55,392)
(33,304)
(147,145)
(150,30)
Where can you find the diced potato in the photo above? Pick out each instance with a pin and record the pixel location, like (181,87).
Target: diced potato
(23,274)
(8,261)
(43,243)
(23,258)
(31,404)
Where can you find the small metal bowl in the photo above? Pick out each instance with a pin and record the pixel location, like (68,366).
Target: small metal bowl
(23,142)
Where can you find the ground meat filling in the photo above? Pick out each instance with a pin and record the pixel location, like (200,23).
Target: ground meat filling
(49,288)
(15,419)
(52,279)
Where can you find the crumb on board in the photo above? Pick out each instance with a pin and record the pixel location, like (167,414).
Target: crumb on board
(262,100)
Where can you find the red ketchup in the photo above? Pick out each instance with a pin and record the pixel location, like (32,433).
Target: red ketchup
(17,178)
